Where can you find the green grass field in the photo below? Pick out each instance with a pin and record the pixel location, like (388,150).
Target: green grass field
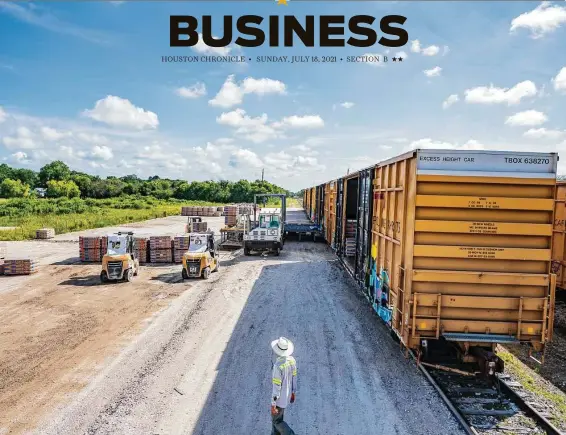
(66,215)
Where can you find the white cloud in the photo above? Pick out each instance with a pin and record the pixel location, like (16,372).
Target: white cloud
(52,134)
(120,112)
(416,46)
(544,19)
(201,47)
(255,129)
(347,105)
(195,91)
(559,81)
(494,95)
(102,152)
(446,50)
(20,157)
(431,50)
(92,138)
(543,133)
(232,94)
(23,139)
(3,115)
(245,157)
(304,150)
(259,129)
(452,99)
(294,121)
(229,95)
(428,143)
(527,118)
(434,72)
(263,86)
(288,164)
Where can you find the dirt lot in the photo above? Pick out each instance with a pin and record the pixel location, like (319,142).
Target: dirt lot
(79,357)
(59,325)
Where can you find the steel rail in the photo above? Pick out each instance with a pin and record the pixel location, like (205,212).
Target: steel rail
(467,427)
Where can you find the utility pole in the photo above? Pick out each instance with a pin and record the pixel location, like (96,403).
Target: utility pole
(262,175)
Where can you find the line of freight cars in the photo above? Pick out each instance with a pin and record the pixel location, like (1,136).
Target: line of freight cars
(451,246)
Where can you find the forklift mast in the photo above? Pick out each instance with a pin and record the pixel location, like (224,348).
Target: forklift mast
(276,195)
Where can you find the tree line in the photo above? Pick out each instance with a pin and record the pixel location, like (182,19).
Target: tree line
(59,181)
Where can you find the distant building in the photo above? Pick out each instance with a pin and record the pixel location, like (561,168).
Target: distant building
(40,191)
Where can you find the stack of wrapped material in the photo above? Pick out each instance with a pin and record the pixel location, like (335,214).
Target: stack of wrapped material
(45,233)
(90,249)
(160,249)
(24,266)
(180,246)
(140,249)
(231,215)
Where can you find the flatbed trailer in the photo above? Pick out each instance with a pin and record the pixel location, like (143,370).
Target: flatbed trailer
(298,224)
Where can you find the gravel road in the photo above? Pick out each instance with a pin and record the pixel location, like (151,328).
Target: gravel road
(202,366)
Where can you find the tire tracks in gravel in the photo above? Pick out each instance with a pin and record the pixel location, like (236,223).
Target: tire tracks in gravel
(130,393)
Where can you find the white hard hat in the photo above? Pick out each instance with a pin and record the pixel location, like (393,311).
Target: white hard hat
(282,346)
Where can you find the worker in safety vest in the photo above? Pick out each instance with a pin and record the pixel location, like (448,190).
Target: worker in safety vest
(284,380)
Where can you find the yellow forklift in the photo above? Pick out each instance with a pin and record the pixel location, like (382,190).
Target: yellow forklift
(202,257)
(119,262)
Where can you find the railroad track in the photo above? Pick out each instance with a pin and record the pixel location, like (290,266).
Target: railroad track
(484,407)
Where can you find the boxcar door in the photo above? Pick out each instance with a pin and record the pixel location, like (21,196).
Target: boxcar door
(363,224)
(339,206)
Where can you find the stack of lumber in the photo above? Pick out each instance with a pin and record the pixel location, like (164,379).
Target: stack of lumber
(230,215)
(140,249)
(160,249)
(90,249)
(180,246)
(24,266)
(45,233)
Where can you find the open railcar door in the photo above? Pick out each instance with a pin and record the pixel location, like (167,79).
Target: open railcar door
(339,211)
(363,225)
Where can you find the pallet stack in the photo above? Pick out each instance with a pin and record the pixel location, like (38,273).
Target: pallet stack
(200,211)
(160,249)
(197,227)
(350,238)
(90,249)
(230,215)
(3,253)
(25,266)
(45,233)
(140,249)
(245,209)
(180,246)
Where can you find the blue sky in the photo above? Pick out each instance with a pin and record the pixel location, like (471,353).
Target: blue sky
(84,82)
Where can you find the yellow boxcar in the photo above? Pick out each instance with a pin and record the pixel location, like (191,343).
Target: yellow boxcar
(466,240)
(559,235)
(462,240)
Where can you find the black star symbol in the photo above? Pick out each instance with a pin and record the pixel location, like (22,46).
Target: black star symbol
(394,59)
(400,59)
